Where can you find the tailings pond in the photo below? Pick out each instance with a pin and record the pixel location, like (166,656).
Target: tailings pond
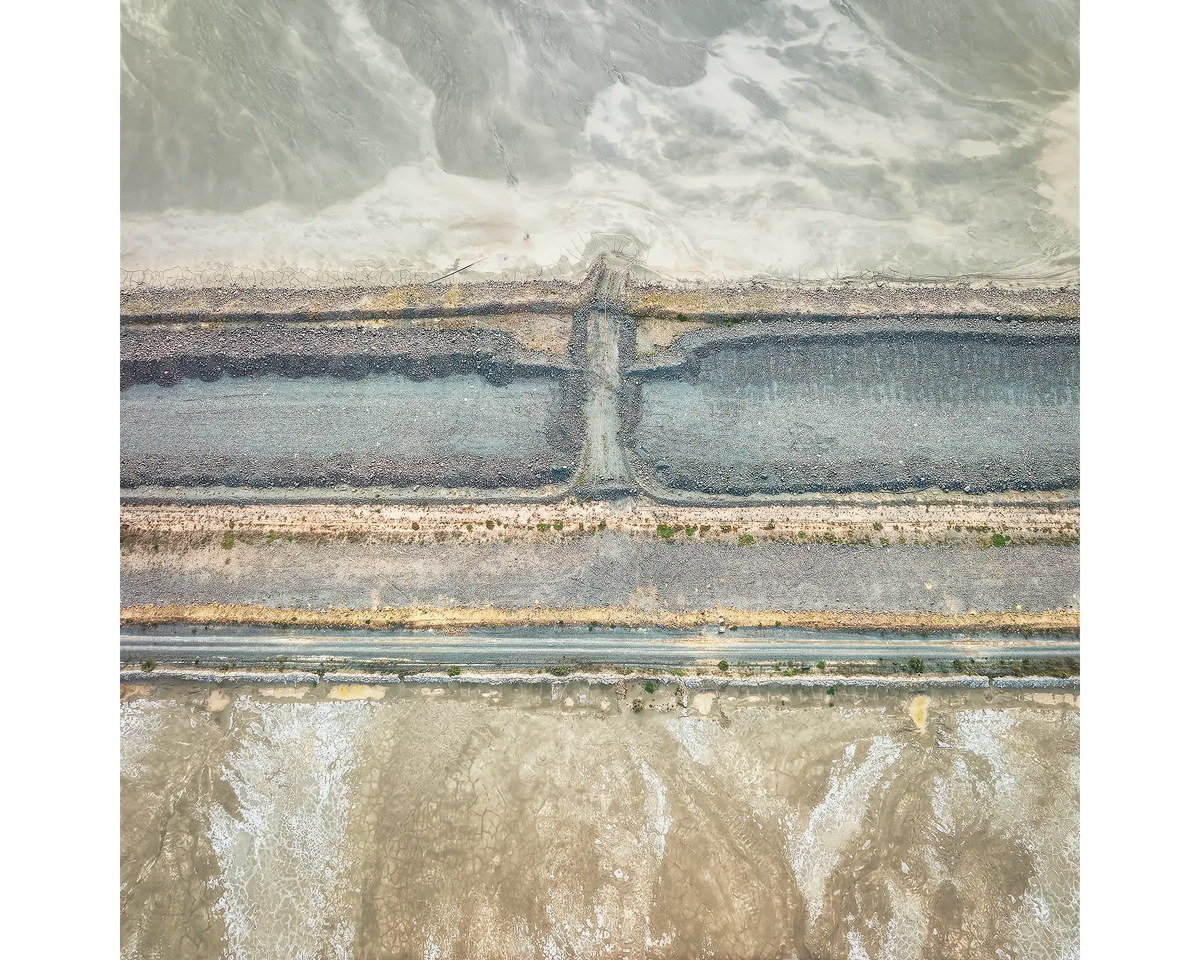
(595,819)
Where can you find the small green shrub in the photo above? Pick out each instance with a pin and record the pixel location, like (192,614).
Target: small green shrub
(559,670)
(820,664)
(723,665)
(650,686)
(666,531)
(1000,540)
(916,664)
(227,540)
(558,525)
(148,665)
(745,540)
(454,671)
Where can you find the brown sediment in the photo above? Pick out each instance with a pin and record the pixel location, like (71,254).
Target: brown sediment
(656,331)
(461,618)
(543,332)
(880,519)
(416,299)
(852,299)
(858,297)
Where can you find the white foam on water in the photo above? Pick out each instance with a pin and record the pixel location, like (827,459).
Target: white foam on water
(141,725)
(836,820)
(858,950)
(658,816)
(284,869)
(904,937)
(697,737)
(805,148)
(983,733)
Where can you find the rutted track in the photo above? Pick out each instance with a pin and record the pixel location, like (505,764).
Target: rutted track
(548,648)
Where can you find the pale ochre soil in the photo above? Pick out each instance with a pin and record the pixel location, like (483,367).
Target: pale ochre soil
(459,618)
(969,522)
(845,298)
(544,332)
(850,299)
(655,332)
(448,296)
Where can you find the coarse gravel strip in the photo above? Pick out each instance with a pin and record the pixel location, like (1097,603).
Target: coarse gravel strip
(609,570)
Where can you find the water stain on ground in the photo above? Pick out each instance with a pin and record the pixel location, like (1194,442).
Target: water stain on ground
(918,710)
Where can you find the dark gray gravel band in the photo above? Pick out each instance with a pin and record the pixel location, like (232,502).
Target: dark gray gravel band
(884,411)
(386,429)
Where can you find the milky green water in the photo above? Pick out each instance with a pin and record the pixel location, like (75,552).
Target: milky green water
(311,142)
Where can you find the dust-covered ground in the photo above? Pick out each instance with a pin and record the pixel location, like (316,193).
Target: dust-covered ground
(556,820)
(607,569)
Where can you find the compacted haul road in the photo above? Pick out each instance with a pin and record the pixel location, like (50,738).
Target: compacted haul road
(528,650)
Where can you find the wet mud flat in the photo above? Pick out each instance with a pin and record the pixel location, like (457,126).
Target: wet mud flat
(272,430)
(868,411)
(606,570)
(586,819)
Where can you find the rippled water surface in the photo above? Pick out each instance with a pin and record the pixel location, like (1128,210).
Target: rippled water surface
(313,141)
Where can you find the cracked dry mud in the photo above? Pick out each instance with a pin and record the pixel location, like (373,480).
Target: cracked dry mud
(552,820)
